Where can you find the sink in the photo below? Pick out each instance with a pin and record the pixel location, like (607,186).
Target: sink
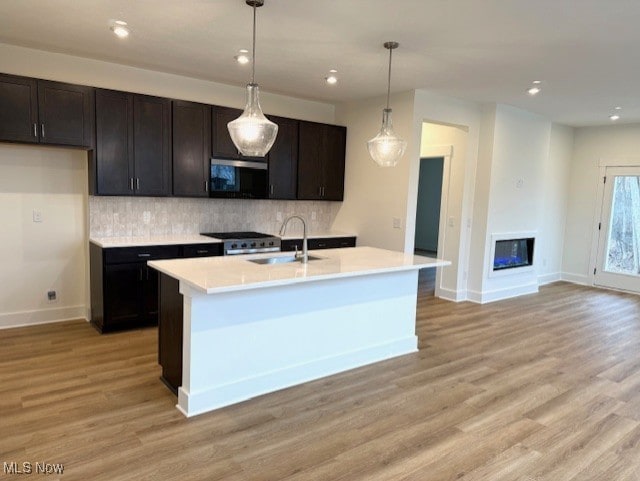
(281,259)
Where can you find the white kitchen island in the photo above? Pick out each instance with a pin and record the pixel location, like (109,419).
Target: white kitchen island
(250,329)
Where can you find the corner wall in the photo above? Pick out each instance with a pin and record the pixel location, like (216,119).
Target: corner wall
(36,257)
(591,145)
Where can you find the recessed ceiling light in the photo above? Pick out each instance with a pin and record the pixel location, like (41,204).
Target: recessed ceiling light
(537,82)
(332,79)
(120,28)
(243,56)
(618,108)
(534,90)
(614,117)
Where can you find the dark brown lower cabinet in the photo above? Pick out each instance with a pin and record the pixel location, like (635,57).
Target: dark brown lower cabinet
(318,243)
(170,328)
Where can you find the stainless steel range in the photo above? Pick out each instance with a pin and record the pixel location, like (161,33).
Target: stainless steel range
(246,242)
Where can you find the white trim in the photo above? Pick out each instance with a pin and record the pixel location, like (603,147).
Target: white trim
(42,316)
(549,278)
(509,236)
(502,294)
(446,152)
(192,403)
(576,279)
(596,219)
(451,295)
(619,162)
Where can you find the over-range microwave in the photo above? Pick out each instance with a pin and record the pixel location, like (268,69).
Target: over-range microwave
(239,179)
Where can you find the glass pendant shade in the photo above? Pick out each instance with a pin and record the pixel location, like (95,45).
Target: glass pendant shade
(252,133)
(386,148)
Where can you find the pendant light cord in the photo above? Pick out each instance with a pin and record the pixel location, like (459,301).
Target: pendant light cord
(253,55)
(389,78)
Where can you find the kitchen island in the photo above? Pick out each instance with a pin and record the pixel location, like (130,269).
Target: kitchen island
(250,328)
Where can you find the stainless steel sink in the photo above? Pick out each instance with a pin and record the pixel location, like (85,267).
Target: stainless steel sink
(281,259)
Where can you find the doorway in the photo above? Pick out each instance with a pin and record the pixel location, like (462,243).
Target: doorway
(618,255)
(428,207)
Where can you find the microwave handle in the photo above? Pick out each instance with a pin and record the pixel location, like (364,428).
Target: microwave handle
(240,163)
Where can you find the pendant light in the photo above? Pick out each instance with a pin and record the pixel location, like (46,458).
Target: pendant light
(252,133)
(387,148)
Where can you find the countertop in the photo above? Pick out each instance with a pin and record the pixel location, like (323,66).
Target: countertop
(160,240)
(236,273)
(107,242)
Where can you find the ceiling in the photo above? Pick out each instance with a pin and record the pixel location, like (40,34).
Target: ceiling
(586,52)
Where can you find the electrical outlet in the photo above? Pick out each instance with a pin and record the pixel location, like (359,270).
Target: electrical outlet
(146,216)
(314,215)
(451,222)
(37,215)
(52,295)
(279,216)
(519,183)
(396,223)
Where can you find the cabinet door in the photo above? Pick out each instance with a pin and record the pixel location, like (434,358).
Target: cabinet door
(333,154)
(310,161)
(152,145)
(149,313)
(222,145)
(122,293)
(18,109)
(191,148)
(283,160)
(66,114)
(114,143)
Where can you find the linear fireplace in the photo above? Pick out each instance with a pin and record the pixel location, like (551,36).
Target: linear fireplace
(511,253)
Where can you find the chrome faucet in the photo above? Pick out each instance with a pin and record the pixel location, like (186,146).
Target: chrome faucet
(305,252)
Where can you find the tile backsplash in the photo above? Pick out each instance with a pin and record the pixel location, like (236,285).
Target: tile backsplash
(148,216)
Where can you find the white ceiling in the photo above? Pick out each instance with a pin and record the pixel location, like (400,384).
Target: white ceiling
(586,52)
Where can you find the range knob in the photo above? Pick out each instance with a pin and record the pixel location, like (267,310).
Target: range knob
(271,243)
(243,245)
(234,246)
(261,244)
(253,244)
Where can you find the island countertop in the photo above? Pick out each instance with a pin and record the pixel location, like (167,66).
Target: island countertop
(212,275)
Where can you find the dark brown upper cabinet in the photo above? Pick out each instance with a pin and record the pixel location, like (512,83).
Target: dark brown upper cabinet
(222,145)
(191,148)
(39,111)
(283,160)
(133,145)
(321,157)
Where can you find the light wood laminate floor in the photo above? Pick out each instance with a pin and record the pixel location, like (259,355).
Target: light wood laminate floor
(542,387)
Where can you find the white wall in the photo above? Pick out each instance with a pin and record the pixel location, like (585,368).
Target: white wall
(52,254)
(463,118)
(591,144)
(36,257)
(374,195)
(556,178)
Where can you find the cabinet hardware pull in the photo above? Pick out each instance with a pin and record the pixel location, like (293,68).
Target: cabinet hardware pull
(147,269)
(320,191)
(35,130)
(202,252)
(320,244)
(42,129)
(131,183)
(271,189)
(206,186)
(137,183)
(144,255)
(140,274)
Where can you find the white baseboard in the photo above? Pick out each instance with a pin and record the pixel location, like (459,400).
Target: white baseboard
(42,316)
(576,279)
(451,295)
(501,294)
(549,278)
